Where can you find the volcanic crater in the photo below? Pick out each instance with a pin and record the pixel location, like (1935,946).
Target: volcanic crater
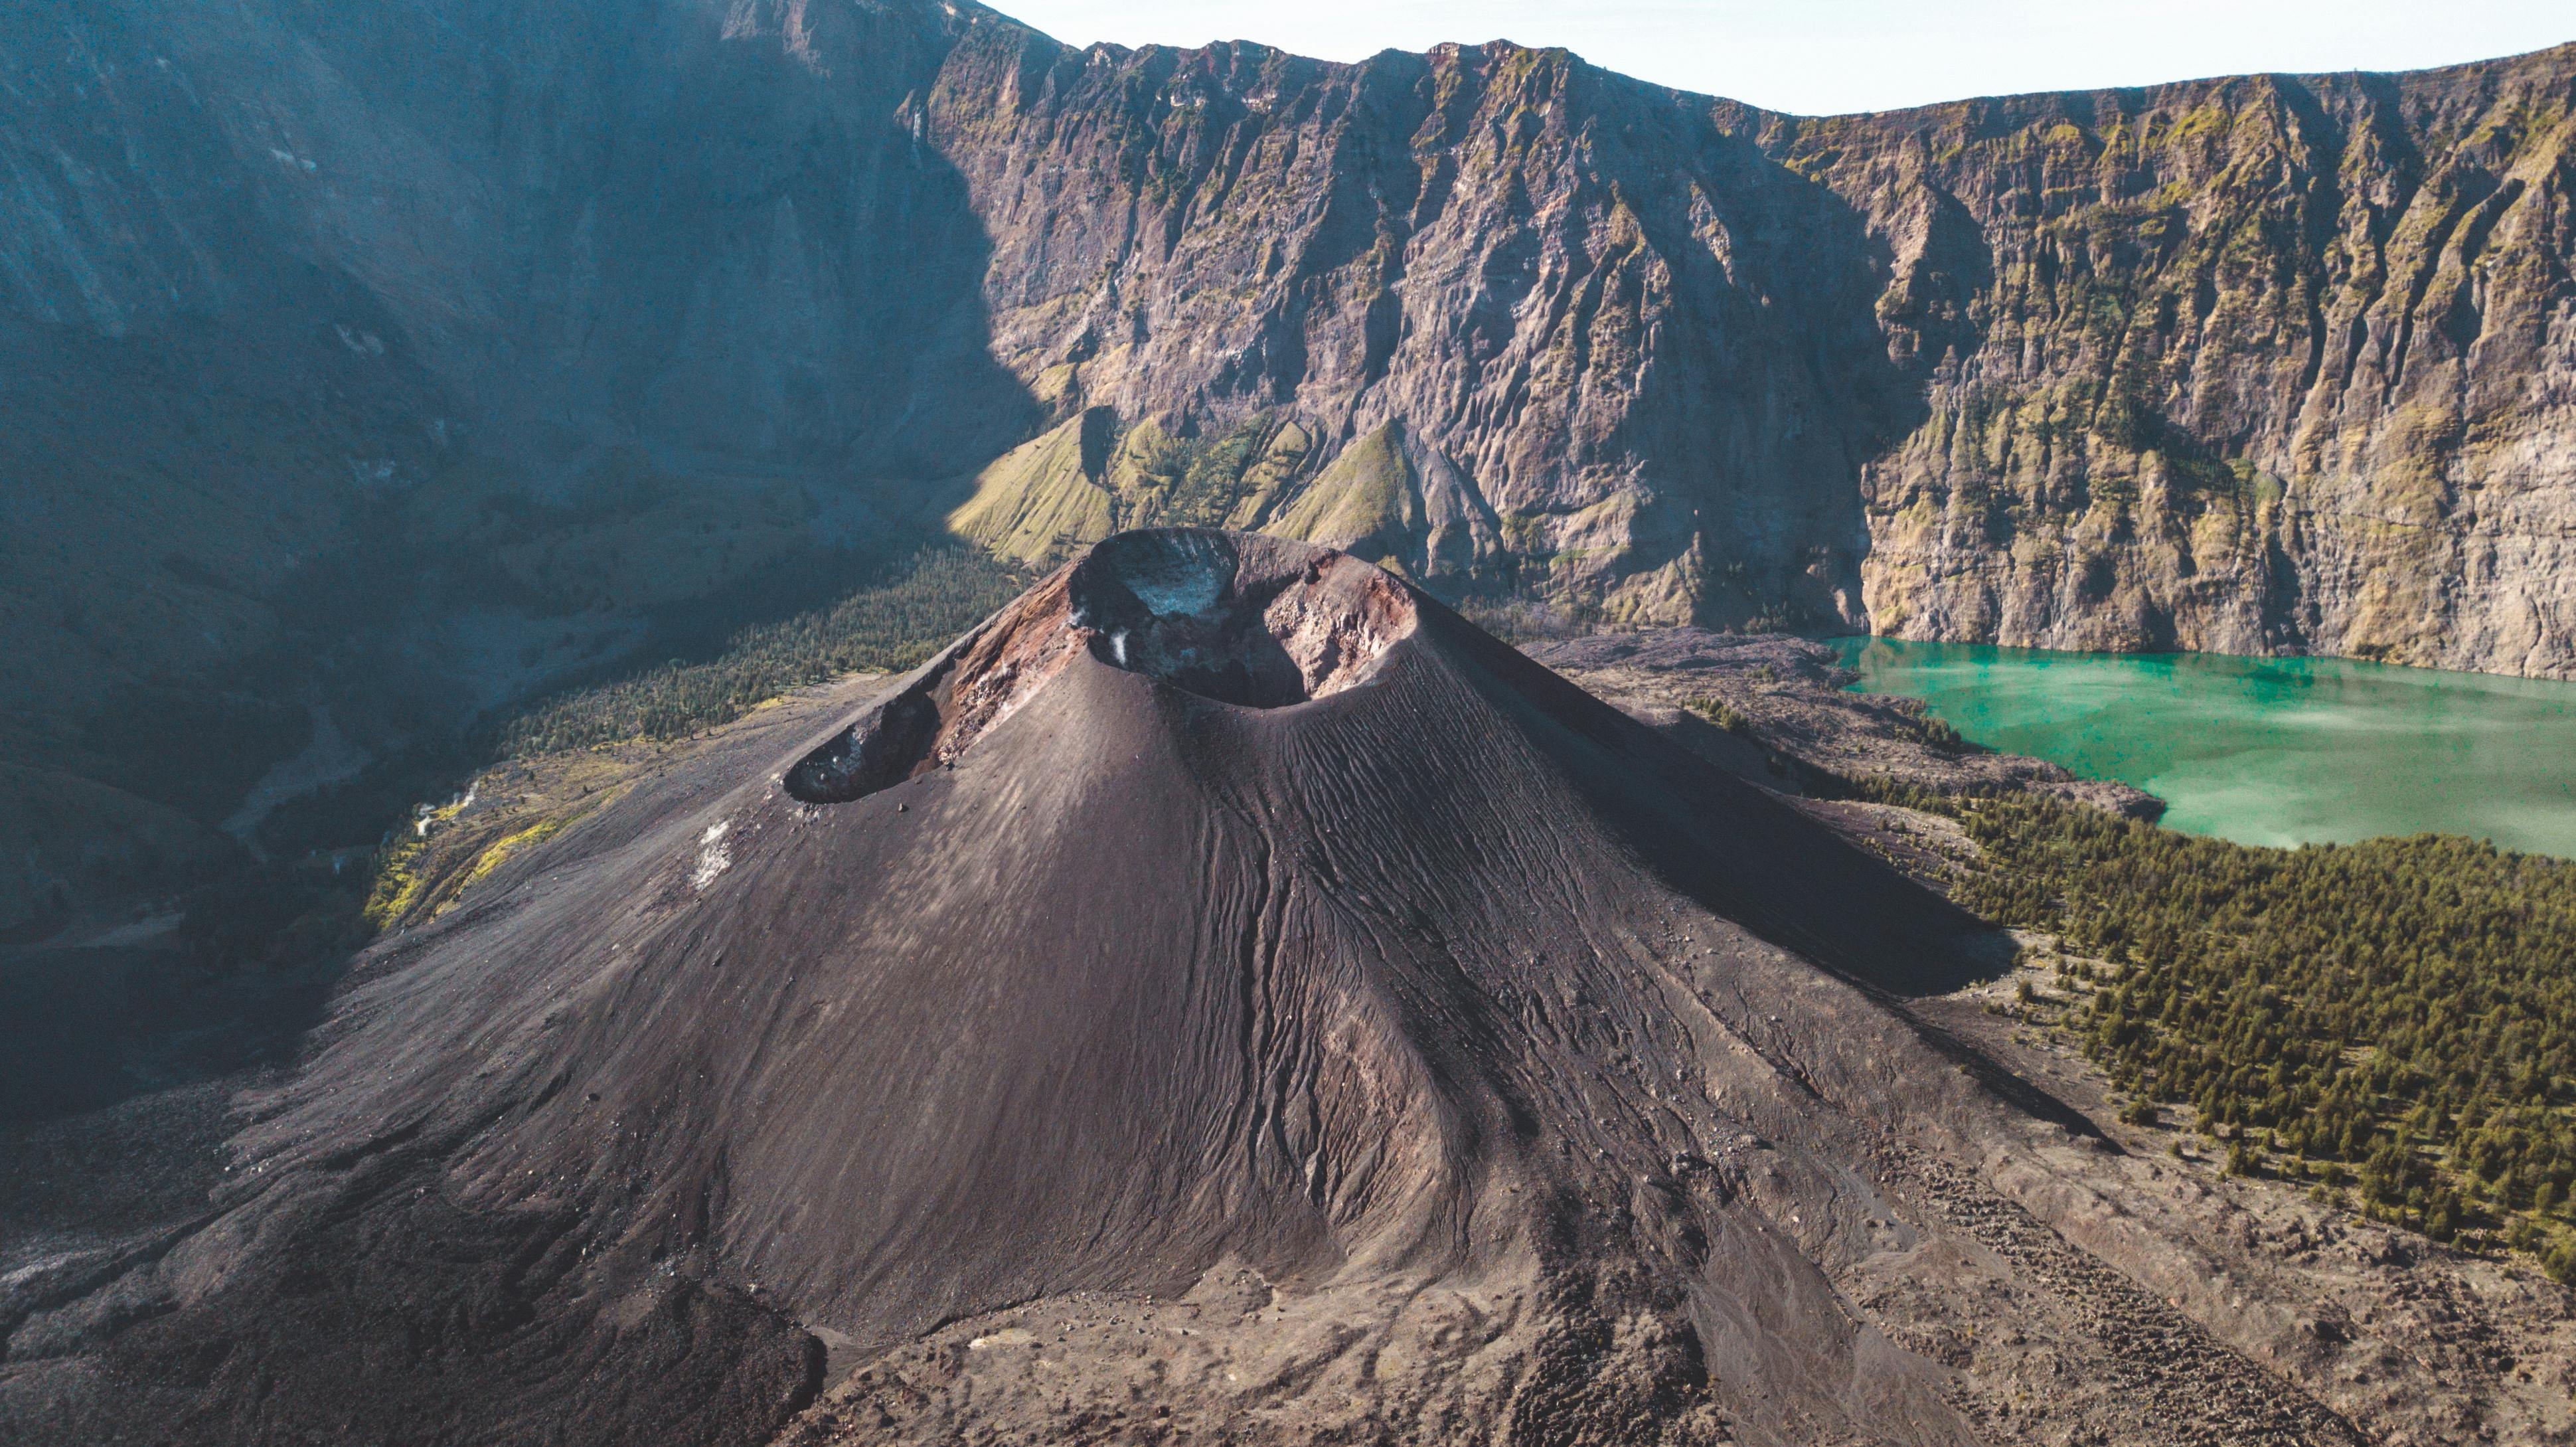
(1238,619)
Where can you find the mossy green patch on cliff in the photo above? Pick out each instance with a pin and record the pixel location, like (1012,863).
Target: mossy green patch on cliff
(1365,501)
(1230,480)
(1090,477)
(2408,482)
(1043,498)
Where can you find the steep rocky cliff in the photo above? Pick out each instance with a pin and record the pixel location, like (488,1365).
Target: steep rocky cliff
(2270,364)
(489,337)
(2264,364)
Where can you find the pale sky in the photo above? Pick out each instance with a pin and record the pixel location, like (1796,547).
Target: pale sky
(1819,57)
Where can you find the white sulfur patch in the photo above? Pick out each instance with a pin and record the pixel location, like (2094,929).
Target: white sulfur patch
(423,816)
(713,857)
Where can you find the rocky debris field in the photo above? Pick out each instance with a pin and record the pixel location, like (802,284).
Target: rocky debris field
(1777,710)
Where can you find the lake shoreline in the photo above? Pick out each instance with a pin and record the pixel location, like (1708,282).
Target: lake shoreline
(2273,751)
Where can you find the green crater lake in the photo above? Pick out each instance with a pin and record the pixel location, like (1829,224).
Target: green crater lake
(2267,750)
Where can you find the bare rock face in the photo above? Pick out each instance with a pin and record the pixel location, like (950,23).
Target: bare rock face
(2264,364)
(2260,365)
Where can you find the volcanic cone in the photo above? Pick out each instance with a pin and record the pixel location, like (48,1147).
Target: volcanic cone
(1224,993)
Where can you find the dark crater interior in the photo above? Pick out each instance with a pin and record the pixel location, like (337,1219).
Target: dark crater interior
(1181,607)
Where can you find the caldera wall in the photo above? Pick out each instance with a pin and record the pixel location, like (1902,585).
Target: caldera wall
(2264,364)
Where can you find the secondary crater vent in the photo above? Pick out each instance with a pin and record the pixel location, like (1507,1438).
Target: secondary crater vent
(1249,621)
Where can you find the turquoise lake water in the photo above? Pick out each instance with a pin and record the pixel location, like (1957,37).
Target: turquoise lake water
(2267,750)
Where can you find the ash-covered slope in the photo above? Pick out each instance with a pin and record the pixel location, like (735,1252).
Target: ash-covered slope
(1340,1023)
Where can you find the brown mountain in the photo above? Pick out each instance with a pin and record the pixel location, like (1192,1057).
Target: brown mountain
(1224,997)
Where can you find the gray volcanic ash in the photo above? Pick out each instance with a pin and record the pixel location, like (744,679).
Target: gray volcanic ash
(1223,996)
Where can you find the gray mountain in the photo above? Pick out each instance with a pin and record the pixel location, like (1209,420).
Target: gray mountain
(480,337)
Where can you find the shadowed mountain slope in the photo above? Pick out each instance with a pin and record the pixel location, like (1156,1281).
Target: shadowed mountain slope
(1224,928)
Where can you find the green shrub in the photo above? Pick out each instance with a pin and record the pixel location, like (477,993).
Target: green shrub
(929,599)
(1722,714)
(2403,1007)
